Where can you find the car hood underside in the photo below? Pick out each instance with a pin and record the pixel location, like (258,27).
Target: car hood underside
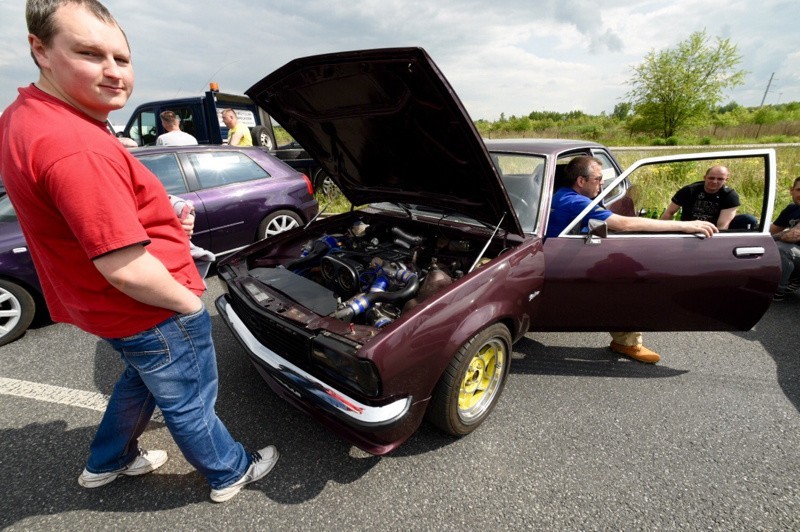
(386,126)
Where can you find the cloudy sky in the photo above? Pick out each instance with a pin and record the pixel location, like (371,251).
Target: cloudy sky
(501,56)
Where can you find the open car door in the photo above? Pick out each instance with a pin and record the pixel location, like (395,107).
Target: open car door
(667,281)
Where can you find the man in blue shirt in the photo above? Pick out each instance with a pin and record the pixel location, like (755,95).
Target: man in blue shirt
(583,182)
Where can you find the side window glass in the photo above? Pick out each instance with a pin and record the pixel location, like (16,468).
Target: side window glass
(167,169)
(609,173)
(522,178)
(214,169)
(622,200)
(146,126)
(658,184)
(7,212)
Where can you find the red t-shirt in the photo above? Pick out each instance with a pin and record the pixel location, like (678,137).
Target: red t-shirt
(79,194)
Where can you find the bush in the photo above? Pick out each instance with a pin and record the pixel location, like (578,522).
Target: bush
(673,141)
(705,141)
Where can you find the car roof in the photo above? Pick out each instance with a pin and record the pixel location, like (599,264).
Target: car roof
(539,146)
(194,148)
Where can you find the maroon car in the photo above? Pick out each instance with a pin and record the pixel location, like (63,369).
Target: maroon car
(373,320)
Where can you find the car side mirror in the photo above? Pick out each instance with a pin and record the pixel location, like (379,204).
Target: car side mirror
(598,230)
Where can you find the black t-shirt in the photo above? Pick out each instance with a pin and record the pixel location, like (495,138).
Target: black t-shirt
(789,217)
(697,204)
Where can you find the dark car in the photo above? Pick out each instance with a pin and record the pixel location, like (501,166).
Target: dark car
(408,308)
(240,195)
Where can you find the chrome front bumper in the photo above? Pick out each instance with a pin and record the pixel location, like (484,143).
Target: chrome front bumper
(308,388)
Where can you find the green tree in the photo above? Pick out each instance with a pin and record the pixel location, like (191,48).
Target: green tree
(678,87)
(765,116)
(621,111)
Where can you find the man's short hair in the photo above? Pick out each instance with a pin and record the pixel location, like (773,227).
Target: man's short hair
(40,17)
(711,169)
(797,180)
(580,166)
(170,117)
(229,110)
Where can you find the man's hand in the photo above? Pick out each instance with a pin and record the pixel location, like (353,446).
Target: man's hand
(791,236)
(188,223)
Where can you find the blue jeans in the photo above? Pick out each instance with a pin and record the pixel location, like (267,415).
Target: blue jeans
(172,366)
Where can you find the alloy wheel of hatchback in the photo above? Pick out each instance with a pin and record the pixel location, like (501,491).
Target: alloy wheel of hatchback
(324,184)
(472,383)
(17,309)
(278,222)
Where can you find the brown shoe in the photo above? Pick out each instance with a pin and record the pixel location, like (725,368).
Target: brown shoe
(636,352)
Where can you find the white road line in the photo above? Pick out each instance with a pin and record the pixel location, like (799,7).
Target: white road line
(60,395)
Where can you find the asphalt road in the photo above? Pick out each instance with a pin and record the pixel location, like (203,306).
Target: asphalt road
(581,440)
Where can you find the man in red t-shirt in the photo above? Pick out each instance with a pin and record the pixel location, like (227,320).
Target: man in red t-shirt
(111,255)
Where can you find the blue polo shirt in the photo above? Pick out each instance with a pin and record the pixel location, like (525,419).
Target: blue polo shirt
(567,204)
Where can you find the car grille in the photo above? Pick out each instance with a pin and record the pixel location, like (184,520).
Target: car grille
(292,343)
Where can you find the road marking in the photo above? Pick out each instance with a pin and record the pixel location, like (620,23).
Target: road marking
(60,395)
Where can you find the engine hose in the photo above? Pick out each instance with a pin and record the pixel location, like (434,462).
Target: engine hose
(362,302)
(411,239)
(319,249)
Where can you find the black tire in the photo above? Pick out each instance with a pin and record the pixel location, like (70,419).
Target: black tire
(17,310)
(278,222)
(472,383)
(324,184)
(262,137)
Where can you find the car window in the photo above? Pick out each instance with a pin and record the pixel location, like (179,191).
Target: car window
(654,181)
(522,178)
(7,213)
(609,173)
(186,114)
(214,169)
(143,130)
(655,186)
(167,169)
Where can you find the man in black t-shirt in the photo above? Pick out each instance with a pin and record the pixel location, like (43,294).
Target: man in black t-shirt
(786,232)
(710,200)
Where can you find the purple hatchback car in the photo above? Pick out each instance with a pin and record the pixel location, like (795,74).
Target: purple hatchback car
(240,195)
(373,320)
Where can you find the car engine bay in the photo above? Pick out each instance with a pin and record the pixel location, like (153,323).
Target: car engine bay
(370,274)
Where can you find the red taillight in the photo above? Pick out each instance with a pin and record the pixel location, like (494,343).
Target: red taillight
(308,184)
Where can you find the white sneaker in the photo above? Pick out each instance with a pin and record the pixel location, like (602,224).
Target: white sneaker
(144,463)
(263,462)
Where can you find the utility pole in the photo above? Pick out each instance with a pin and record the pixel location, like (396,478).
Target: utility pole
(766,91)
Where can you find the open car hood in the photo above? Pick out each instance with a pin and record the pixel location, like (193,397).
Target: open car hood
(387,126)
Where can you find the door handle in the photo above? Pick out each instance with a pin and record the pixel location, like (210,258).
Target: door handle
(748,252)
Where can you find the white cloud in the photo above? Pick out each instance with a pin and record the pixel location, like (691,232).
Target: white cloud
(504,56)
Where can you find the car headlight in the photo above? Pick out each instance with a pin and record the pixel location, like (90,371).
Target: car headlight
(339,361)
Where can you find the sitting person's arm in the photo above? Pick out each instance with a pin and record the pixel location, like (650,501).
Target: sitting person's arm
(789,235)
(670,211)
(725,217)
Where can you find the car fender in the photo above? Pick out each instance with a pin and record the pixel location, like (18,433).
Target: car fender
(427,351)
